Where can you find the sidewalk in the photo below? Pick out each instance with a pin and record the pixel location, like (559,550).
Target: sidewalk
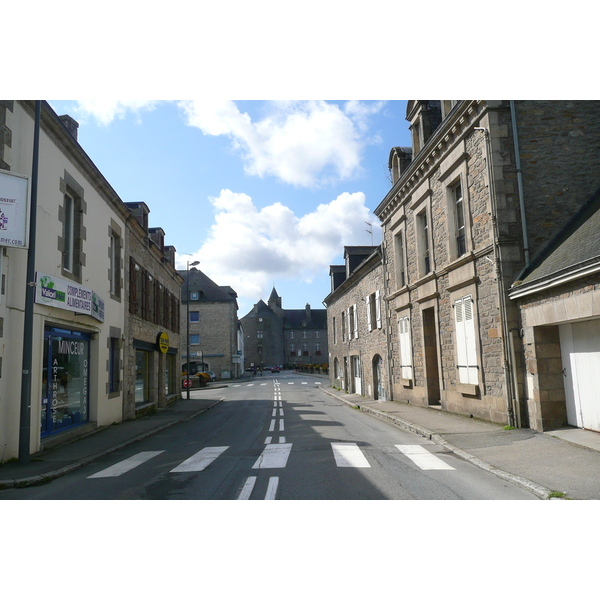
(55,462)
(565,461)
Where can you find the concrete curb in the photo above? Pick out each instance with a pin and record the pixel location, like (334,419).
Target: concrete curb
(39,479)
(539,490)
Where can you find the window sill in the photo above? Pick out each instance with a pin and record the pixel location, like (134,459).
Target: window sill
(467,389)
(407,383)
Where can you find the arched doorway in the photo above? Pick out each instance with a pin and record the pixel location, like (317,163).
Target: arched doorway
(378,391)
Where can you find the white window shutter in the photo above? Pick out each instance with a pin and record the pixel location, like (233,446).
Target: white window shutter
(466,347)
(470,345)
(348,325)
(355,322)
(369,324)
(405,348)
(378,309)
(461,348)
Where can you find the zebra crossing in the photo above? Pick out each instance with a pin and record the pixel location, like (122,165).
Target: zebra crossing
(275,456)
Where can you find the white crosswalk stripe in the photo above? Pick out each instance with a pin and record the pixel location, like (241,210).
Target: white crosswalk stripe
(423,458)
(200,460)
(274,456)
(348,454)
(126,465)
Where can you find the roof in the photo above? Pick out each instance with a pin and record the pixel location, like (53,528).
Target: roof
(293,319)
(573,252)
(210,291)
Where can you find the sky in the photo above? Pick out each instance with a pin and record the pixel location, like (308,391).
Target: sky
(263,193)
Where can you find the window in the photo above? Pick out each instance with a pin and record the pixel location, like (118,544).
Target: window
(352,322)
(115,264)
(114,364)
(170,374)
(142,376)
(318,349)
(334,330)
(305,334)
(292,349)
(259,334)
(193,295)
(343,326)
(304,349)
(194,338)
(466,350)
(405,347)
(317,335)
(459,220)
(373,311)
(291,335)
(423,243)
(69,234)
(416,138)
(194,316)
(399,260)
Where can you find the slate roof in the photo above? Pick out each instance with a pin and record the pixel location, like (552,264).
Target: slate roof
(210,291)
(575,248)
(292,319)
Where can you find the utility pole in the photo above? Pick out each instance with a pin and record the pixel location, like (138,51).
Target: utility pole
(25,421)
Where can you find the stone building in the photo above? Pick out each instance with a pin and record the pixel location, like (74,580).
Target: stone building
(151,375)
(559,298)
(356,327)
(213,326)
(284,337)
(484,187)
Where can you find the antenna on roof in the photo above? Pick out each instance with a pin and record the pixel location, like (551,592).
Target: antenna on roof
(370,230)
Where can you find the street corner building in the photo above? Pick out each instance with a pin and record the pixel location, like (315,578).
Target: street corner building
(356,327)
(214,331)
(490,285)
(85,324)
(288,338)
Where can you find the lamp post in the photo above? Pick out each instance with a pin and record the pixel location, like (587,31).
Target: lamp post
(187,302)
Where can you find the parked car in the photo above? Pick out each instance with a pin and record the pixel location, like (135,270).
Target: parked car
(275,370)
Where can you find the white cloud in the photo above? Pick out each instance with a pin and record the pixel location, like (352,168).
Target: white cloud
(248,248)
(106,111)
(303,143)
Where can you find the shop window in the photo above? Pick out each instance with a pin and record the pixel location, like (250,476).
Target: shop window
(65,380)
(142,377)
(170,374)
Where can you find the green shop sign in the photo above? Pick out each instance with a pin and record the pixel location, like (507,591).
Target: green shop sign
(66,295)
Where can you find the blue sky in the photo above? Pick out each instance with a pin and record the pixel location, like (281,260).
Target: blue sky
(261,193)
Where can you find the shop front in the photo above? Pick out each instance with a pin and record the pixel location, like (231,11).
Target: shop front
(65,379)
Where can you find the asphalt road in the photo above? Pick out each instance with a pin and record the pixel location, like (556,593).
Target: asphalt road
(279,437)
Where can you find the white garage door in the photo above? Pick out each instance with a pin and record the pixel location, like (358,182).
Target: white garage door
(580,348)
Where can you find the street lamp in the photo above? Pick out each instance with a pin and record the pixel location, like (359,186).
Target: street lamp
(187,300)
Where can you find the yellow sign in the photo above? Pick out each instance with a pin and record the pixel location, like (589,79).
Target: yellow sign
(163,342)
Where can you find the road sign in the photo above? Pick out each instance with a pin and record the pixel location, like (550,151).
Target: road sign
(187,383)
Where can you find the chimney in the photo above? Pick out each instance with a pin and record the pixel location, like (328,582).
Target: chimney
(307,308)
(71,124)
